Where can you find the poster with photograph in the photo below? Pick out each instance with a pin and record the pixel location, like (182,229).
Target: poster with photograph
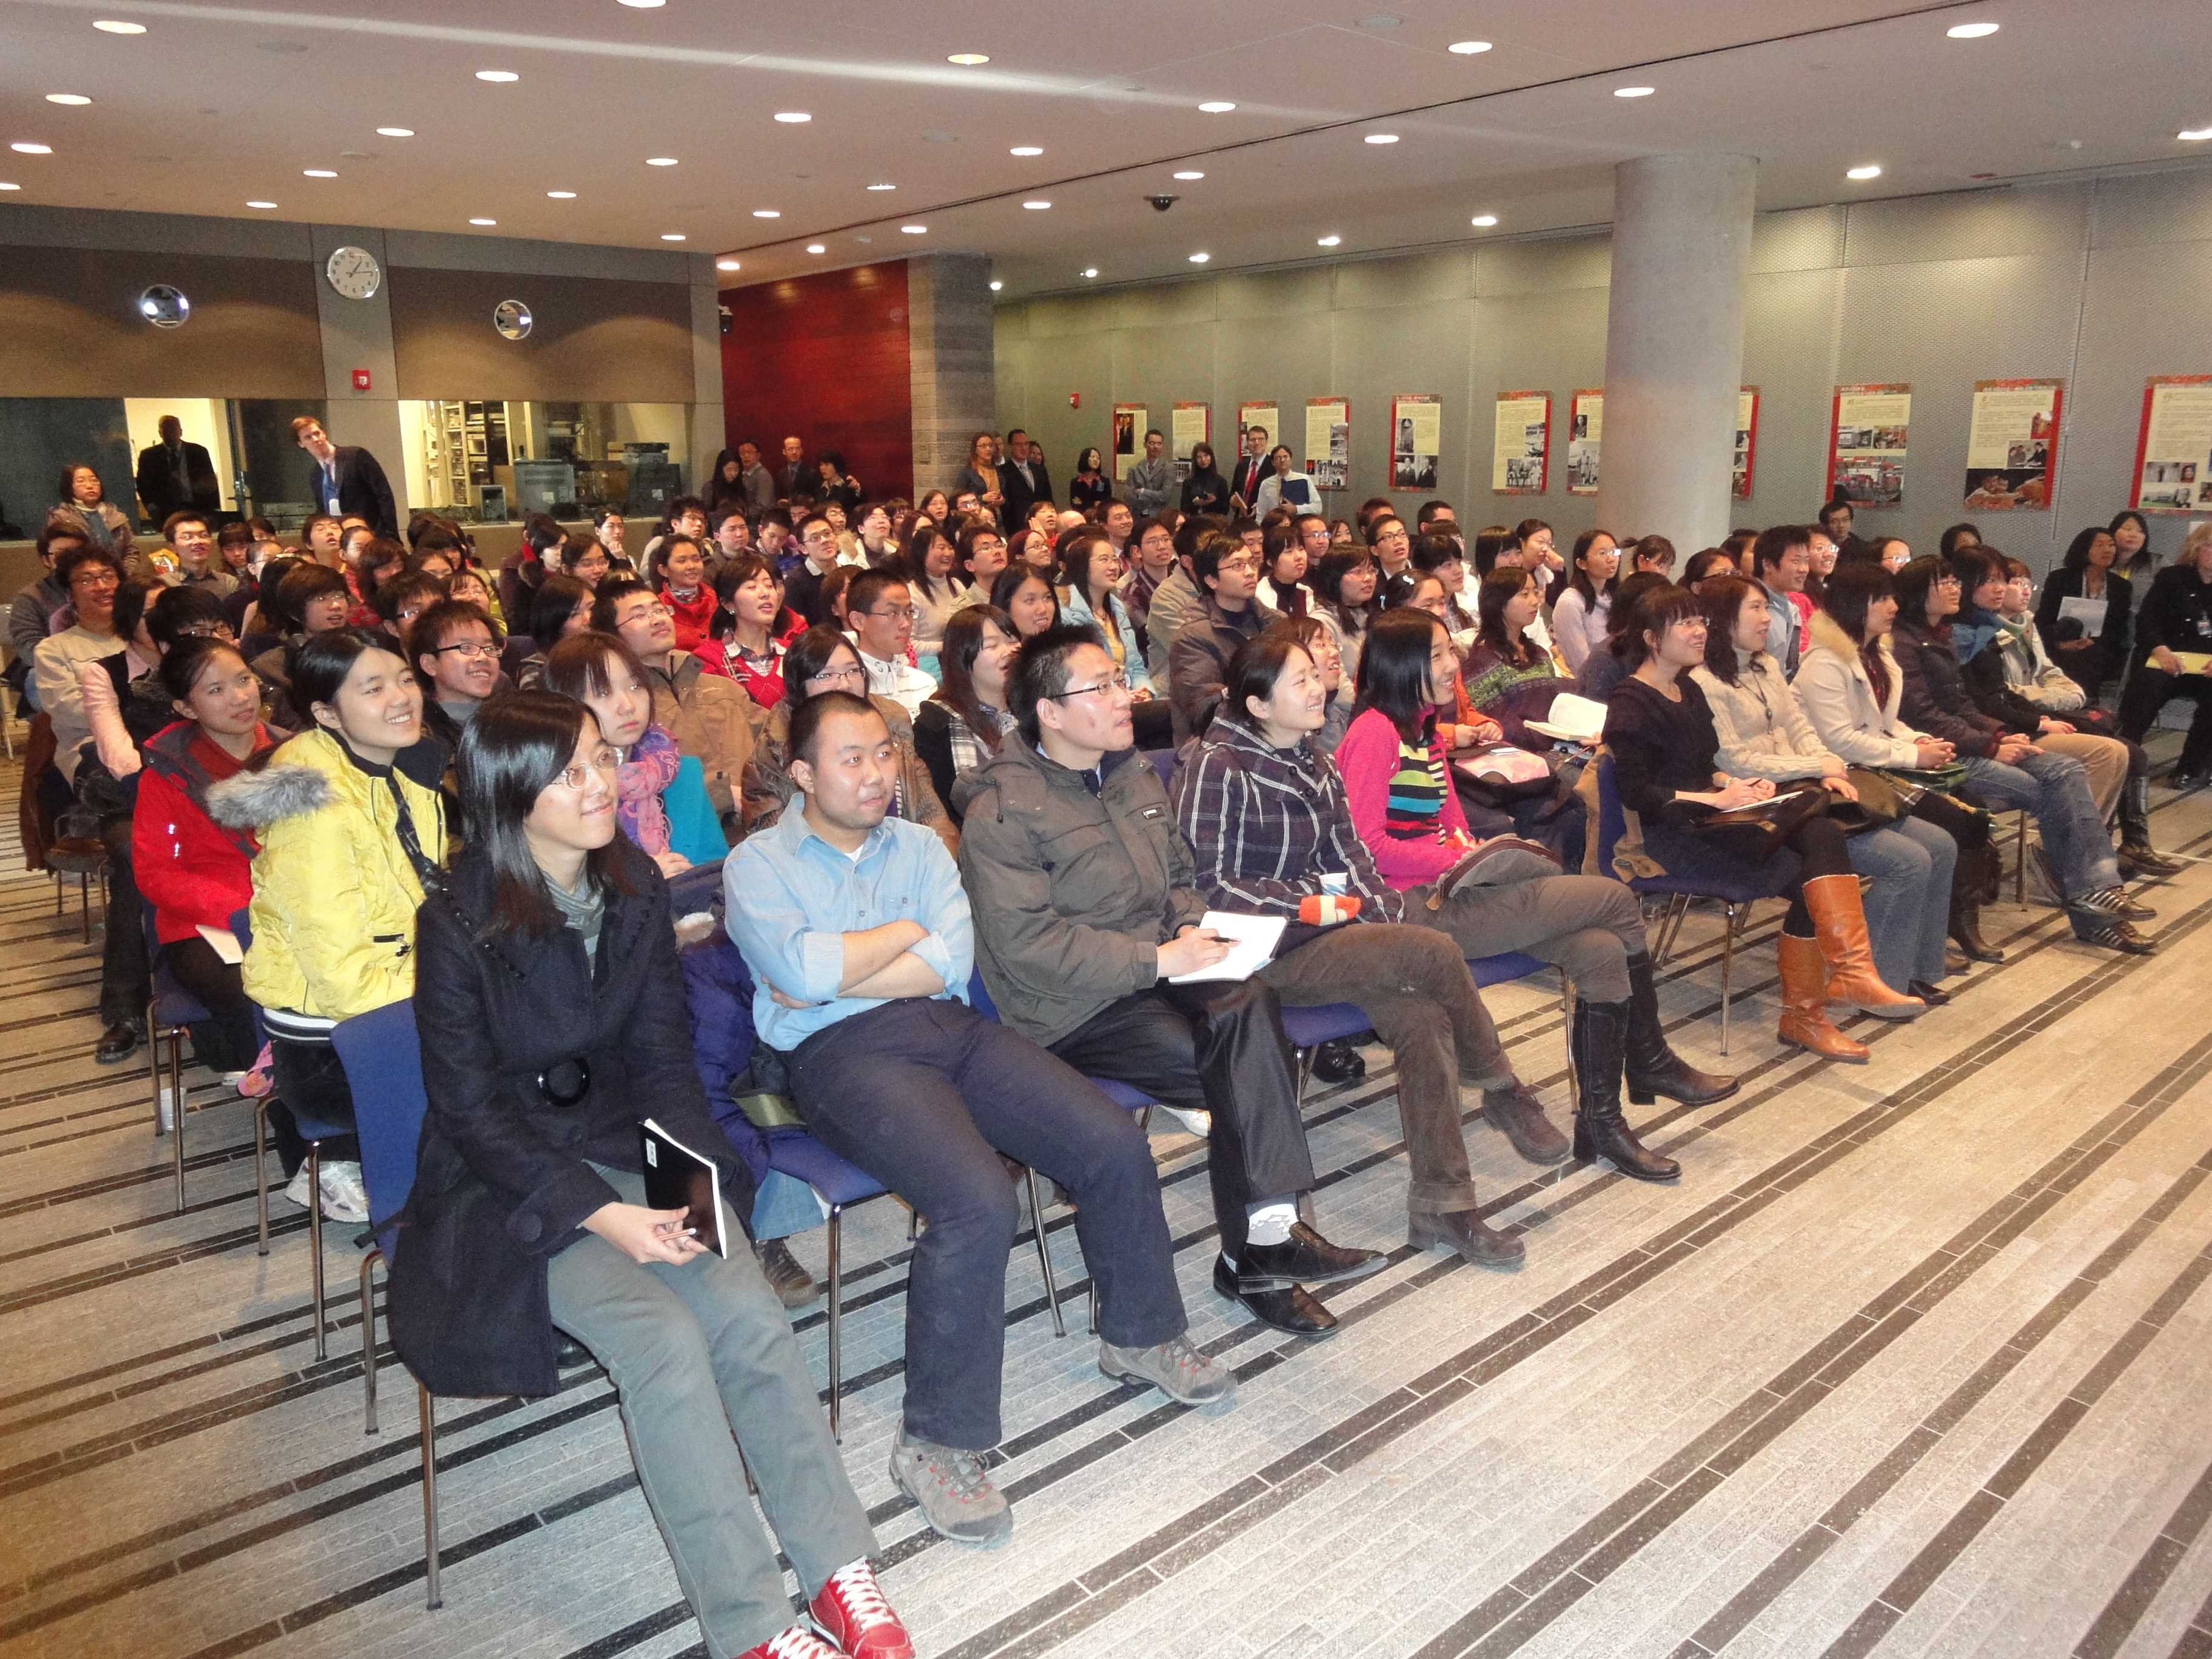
(2173,450)
(1130,420)
(1867,444)
(1188,424)
(1328,442)
(1417,425)
(1585,432)
(1747,440)
(2012,444)
(1521,449)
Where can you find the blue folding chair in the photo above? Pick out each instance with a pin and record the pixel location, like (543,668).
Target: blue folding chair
(699,888)
(797,1154)
(382,1055)
(1735,897)
(170,1011)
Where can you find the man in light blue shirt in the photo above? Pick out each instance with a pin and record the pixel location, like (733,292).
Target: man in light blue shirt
(857,931)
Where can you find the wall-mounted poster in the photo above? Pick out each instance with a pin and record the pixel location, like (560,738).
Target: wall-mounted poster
(1866,444)
(2012,444)
(2173,450)
(1585,433)
(1328,442)
(1521,451)
(1188,424)
(1747,440)
(1417,426)
(1130,420)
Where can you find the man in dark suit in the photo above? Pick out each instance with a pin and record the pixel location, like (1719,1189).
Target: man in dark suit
(796,476)
(1022,480)
(349,479)
(175,477)
(1251,468)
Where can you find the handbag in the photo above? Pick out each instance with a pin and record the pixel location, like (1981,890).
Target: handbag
(1756,832)
(1881,803)
(1944,779)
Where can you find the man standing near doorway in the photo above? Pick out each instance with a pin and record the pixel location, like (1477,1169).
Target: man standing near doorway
(349,479)
(175,476)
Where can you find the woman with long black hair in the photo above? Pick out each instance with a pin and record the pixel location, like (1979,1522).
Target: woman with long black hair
(551,1005)
(2091,643)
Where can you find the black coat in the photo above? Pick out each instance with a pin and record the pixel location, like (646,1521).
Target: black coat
(165,489)
(2108,656)
(2176,613)
(501,1182)
(363,488)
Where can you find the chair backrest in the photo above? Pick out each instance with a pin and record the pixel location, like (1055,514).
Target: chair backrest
(1163,763)
(383,1059)
(1612,823)
(718,1004)
(699,888)
(511,654)
(979,995)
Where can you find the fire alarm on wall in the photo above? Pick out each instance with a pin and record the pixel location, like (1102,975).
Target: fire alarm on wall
(360,380)
(1075,400)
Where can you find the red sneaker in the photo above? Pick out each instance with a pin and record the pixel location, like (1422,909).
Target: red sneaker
(797,1642)
(854,1615)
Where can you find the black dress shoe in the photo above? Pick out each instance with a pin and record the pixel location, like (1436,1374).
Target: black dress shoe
(1294,1310)
(1928,994)
(117,1042)
(568,1353)
(1305,1258)
(1339,1061)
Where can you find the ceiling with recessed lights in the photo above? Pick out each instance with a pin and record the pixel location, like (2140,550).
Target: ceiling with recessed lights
(792,139)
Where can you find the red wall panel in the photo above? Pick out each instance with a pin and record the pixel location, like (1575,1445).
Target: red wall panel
(825,357)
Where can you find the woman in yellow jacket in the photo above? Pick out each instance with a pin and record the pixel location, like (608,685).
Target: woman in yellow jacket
(347,839)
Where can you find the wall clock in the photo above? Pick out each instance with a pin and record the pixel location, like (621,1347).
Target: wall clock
(354,272)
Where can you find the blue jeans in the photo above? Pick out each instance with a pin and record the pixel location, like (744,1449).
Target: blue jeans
(2056,790)
(1908,909)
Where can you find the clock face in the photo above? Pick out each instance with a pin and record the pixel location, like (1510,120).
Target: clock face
(354,272)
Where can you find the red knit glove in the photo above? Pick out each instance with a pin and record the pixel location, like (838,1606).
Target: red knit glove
(1326,909)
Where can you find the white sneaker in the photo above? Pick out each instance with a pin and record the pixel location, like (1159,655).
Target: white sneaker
(344,1199)
(297,1192)
(1194,1121)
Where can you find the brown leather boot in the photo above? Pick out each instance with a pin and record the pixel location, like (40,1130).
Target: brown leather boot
(1805,1003)
(1839,925)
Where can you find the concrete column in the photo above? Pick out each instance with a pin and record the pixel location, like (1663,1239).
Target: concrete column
(949,348)
(1673,345)
(709,416)
(357,334)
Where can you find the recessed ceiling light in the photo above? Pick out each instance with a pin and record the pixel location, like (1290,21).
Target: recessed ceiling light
(1632,92)
(1382,137)
(1026,149)
(2194,135)
(1329,241)
(1381,20)
(109,26)
(794,117)
(1970,31)
(727,264)
(396,132)
(915,230)
(72,98)
(31,150)
(1216,106)
(767,213)
(1200,259)
(1188,177)
(317,173)
(968,59)
(817,248)
(660,160)
(561,195)
(996,285)
(1483,220)
(1091,271)
(883,186)
(263,206)
(4,184)
(1036,207)
(1468,48)
(672,235)
(483,222)
(644,5)
(1869,170)
(499,77)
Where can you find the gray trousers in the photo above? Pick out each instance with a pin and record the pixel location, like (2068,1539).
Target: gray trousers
(1587,925)
(696,1352)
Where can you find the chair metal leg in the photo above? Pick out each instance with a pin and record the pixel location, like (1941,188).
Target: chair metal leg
(369,1342)
(177,1104)
(1044,1252)
(430,1496)
(2019,863)
(836,1314)
(261,1173)
(1727,973)
(84,904)
(315,1241)
(1567,1030)
(1305,1074)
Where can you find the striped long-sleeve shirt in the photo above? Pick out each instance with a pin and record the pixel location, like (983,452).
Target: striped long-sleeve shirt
(1264,824)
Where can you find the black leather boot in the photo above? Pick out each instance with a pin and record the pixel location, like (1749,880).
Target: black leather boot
(1338,1061)
(1652,1067)
(1968,878)
(1600,1131)
(2137,857)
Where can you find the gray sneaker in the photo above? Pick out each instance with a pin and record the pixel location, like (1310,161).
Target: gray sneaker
(1175,1368)
(951,1489)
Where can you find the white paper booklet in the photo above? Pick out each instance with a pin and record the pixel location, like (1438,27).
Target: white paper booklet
(1571,718)
(1255,938)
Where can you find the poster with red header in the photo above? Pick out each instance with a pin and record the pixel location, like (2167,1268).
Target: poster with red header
(2012,446)
(1747,440)
(1585,438)
(1189,426)
(1416,440)
(1867,433)
(1521,446)
(1328,442)
(2173,449)
(1130,420)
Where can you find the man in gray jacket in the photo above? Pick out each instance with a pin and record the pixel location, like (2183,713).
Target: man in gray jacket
(1151,482)
(1086,917)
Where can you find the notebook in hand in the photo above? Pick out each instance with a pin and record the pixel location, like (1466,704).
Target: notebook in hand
(677,1178)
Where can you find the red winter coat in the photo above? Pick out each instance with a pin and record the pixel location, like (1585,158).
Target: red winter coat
(694,619)
(194,873)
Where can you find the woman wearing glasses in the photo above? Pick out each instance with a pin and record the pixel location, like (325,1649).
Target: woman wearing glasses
(822,659)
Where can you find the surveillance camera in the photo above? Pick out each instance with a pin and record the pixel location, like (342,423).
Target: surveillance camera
(1161,204)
